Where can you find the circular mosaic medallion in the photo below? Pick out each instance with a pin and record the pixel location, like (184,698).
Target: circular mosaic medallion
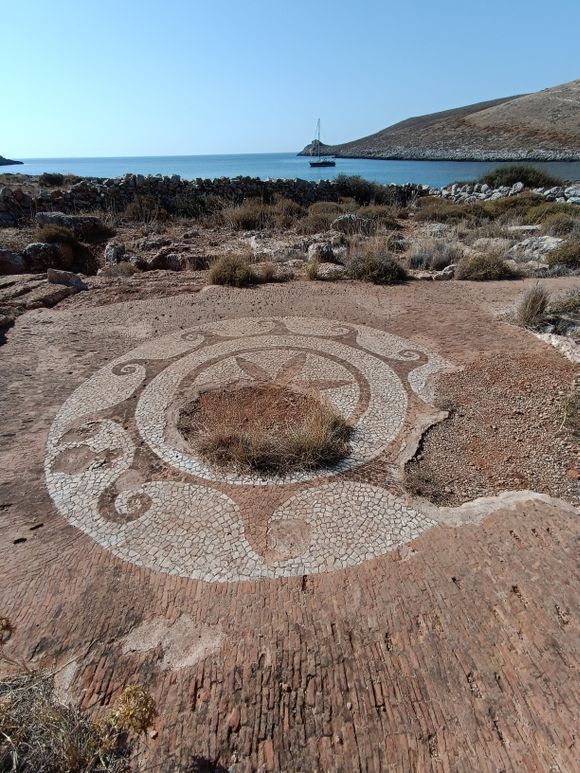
(118,468)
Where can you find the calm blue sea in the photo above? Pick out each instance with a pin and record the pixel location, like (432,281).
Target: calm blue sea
(278,165)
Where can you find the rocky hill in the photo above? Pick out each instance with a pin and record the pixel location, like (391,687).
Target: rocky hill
(8,161)
(544,126)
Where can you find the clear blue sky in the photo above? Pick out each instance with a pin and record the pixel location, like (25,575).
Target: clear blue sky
(172,77)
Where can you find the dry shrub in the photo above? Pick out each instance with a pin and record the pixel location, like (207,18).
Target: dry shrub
(286,212)
(465,232)
(370,261)
(331,208)
(145,209)
(434,254)
(533,305)
(541,212)
(232,270)
(311,269)
(251,215)
(512,209)
(481,268)
(565,254)
(568,304)
(315,223)
(519,173)
(379,269)
(122,269)
(560,224)
(56,234)
(435,210)
(385,215)
(74,254)
(266,428)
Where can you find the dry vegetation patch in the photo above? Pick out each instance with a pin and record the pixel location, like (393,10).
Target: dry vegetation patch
(267,428)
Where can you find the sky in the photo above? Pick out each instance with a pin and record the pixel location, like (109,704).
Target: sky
(184,77)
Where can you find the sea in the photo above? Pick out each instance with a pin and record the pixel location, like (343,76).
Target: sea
(282,166)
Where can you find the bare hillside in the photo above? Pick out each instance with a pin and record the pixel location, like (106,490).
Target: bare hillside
(540,126)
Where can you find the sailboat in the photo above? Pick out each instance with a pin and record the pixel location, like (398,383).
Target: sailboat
(321,161)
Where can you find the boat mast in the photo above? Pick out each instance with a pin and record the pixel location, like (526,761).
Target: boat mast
(318,137)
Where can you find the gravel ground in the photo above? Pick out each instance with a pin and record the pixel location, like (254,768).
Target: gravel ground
(504,432)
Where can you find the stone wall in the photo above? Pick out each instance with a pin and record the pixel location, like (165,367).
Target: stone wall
(174,195)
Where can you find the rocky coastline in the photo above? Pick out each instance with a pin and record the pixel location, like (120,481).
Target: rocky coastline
(9,162)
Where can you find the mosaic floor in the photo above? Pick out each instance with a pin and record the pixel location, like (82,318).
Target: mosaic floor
(118,469)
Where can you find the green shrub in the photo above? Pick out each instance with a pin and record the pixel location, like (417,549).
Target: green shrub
(381,269)
(533,305)
(482,268)
(231,270)
(518,173)
(51,179)
(560,224)
(363,191)
(565,254)
(512,208)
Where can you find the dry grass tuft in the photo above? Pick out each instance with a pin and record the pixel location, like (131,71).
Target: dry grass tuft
(266,428)
(533,305)
(435,254)
(39,734)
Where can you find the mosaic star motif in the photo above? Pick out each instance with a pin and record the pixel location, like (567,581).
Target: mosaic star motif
(137,492)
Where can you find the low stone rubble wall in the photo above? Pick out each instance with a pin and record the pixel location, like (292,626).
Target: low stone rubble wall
(172,194)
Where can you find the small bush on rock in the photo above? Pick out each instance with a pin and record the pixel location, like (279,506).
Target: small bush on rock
(481,268)
(533,305)
(518,173)
(231,270)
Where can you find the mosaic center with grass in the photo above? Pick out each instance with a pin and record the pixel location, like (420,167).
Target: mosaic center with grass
(244,449)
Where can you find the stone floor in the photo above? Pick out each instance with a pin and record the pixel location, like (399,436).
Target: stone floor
(324,621)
